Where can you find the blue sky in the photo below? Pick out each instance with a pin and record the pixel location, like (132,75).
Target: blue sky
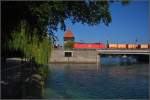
(128,23)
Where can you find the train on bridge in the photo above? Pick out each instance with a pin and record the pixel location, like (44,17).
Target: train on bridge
(78,45)
(68,36)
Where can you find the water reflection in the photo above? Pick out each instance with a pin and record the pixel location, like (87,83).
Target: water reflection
(89,81)
(118,60)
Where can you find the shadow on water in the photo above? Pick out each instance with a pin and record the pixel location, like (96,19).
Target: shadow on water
(120,60)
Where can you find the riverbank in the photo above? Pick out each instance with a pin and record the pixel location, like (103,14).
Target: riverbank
(21,80)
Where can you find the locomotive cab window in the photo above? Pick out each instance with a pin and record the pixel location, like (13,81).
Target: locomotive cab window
(68,54)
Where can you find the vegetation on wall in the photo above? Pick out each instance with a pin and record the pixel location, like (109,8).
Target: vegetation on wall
(68,45)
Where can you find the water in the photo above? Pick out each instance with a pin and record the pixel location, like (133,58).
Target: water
(119,80)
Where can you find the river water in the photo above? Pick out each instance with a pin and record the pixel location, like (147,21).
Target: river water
(113,78)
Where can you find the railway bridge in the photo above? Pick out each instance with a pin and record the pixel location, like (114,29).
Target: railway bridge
(124,51)
(93,55)
(139,54)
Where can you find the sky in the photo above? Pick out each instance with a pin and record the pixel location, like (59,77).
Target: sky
(129,23)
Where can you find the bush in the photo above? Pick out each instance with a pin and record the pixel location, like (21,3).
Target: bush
(43,71)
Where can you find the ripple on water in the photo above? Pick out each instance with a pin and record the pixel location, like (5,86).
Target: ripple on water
(89,81)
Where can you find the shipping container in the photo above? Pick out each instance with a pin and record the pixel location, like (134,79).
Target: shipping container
(78,45)
(132,46)
(144,46)
(122,46)
(112,46)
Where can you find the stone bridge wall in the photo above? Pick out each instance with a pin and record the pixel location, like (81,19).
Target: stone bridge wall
(78,56)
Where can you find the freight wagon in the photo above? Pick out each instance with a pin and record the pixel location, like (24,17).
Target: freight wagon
(132,46)
(122,46)
(112,46)
(78,45)
(144,46)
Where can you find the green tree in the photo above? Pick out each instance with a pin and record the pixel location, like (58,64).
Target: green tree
(30,37)
(31,47)
(48,15)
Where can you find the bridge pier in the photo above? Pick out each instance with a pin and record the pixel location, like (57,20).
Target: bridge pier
(98,59)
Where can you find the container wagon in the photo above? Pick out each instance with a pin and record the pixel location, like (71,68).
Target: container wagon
(112,46)
(132,46)
(122,46)
(144,46)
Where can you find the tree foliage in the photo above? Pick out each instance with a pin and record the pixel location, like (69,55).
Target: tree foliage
(52,13)
(48,15)
(31,47)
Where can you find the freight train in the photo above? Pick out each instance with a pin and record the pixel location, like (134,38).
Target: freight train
(78,45)
(128,46)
